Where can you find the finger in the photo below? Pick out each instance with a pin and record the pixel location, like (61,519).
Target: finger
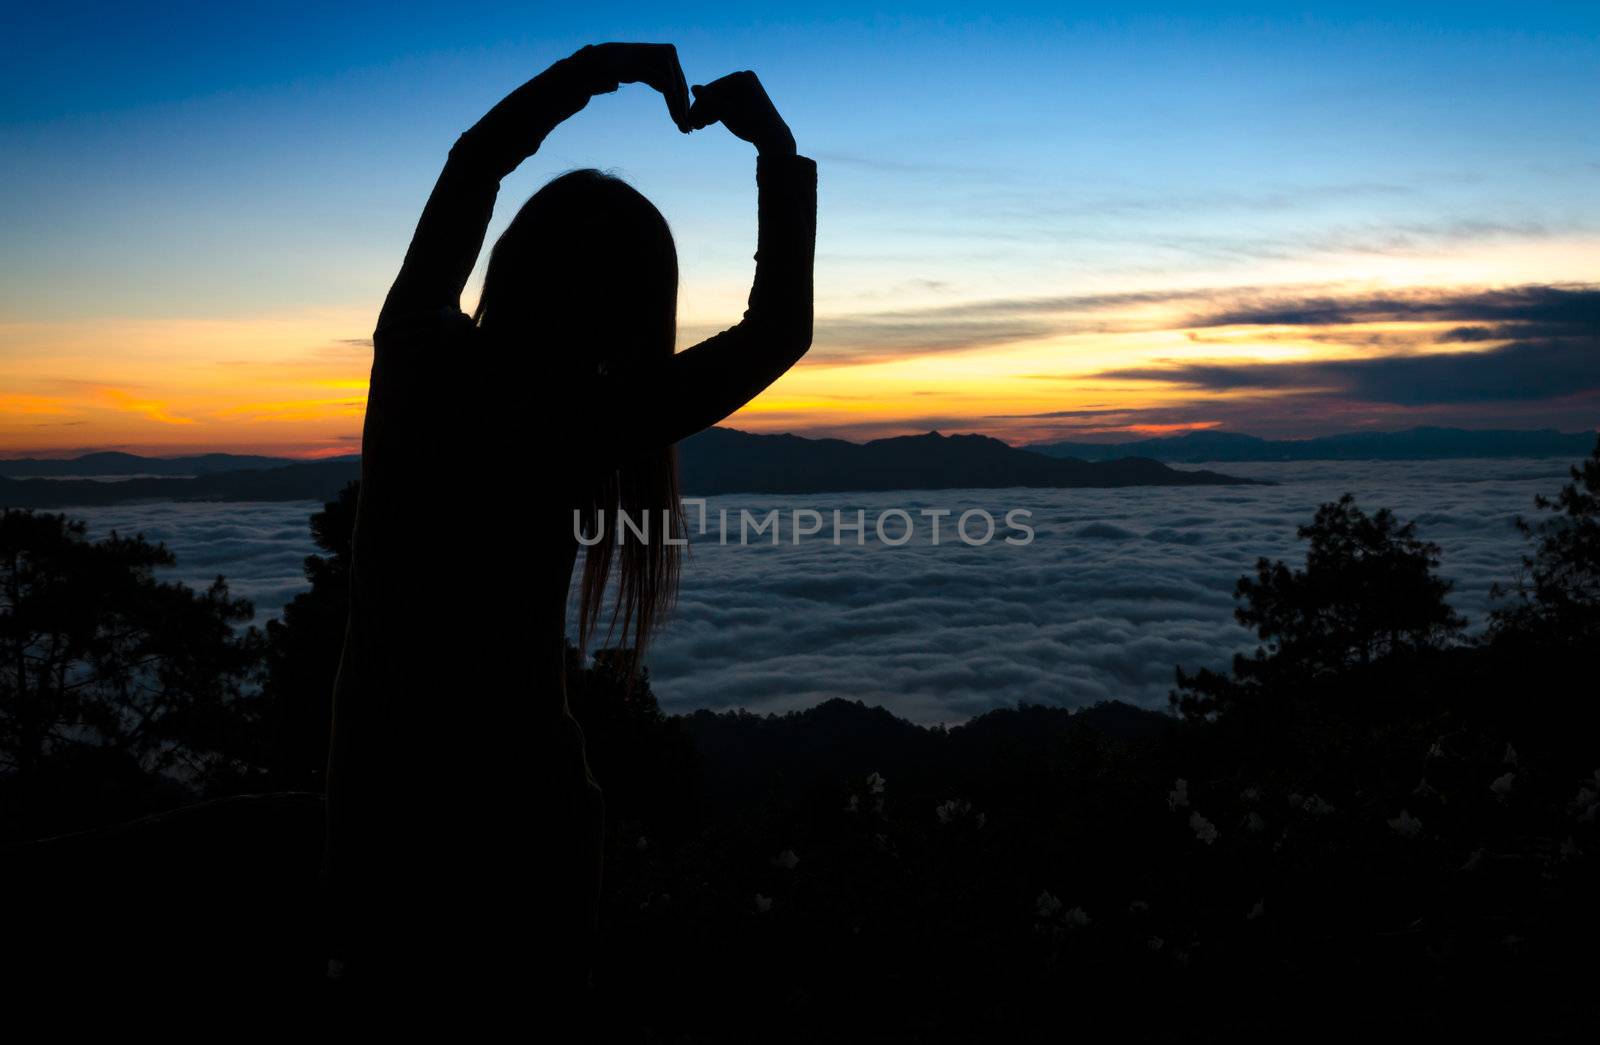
(701,116)
(680,96)
(668,79)
(678,108)
(705,111)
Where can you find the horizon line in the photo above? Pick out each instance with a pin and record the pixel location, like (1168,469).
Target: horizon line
(78,453)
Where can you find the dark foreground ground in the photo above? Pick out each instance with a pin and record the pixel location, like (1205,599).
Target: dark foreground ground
(840,875)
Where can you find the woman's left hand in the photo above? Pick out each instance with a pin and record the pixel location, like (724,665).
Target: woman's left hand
(741,104)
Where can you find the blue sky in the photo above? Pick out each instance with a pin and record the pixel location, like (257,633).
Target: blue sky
(246,176)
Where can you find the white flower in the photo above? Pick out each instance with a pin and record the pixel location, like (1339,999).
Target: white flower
(1436,751)
(1251,794)
(1253,823)
(1510,758)
(1406,825)
(954,809)
(1296,800)
(763,904)
(875,784)
(786,860)
(642,844)
(1155,943)
(1204,830)
(1586,798)
(1315,806)
(1178,797)
(1050,909)
(1257,911)
(1502,784)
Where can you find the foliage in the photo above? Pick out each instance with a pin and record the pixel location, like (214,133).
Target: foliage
(108,673)
(1558,594)
(303,650)
(1367,591)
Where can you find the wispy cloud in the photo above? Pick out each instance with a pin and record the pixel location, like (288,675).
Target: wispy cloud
(871,337)
(899,166)
(150,409)
(1266,199)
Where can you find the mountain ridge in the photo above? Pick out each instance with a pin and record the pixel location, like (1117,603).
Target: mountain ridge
(117,462)
(1410,444)
(726,460)
(716,461)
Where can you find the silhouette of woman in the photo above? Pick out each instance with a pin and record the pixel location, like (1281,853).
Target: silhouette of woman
(463,824)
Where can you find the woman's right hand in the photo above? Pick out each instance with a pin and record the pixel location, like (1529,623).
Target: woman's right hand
(653,64)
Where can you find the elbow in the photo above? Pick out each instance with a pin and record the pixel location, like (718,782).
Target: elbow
(799,340)
(786,339)
(468,148)
(797,333)
(792,344)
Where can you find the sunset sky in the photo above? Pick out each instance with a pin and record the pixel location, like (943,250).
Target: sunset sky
(1070,221)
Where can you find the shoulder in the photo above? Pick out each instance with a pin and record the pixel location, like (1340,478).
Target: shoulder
(413,353)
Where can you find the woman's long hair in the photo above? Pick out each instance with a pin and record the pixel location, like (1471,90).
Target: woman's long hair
(587,271)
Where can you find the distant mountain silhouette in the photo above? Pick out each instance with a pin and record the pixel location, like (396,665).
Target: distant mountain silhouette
(302,481)
(725,460)
(1414,444)
(717,461)
(114,463)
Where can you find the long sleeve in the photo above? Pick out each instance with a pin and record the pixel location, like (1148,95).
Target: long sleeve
(450,233)
(653,407)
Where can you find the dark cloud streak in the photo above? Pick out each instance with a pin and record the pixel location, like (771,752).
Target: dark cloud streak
(1571,307)
(1552,348)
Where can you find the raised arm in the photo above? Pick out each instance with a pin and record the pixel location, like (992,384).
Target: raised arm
(450,233)
(651,408)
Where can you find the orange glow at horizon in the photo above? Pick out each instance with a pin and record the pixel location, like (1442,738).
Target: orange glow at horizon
(295,385)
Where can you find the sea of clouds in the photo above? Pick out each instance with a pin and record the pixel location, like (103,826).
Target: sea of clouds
(1115,589)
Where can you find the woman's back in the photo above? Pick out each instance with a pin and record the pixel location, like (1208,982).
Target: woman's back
(463,825)
(453,745)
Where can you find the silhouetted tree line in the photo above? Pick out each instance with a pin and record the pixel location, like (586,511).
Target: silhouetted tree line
(1375,820)
(118,692)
